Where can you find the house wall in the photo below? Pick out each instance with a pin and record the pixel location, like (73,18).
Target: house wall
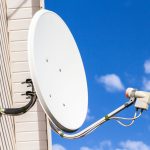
(7,138)
(28,131)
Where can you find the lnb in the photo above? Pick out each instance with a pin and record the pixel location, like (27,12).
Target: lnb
(142,98)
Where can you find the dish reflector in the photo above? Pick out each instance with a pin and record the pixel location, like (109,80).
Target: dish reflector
(57,71)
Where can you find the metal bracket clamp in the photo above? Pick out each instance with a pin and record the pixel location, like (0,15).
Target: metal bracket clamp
(21,110)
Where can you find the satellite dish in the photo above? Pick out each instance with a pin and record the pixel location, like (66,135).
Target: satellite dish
(57,71)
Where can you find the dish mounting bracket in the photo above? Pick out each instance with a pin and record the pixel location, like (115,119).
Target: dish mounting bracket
(31,94)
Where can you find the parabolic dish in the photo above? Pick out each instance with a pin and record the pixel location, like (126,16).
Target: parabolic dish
(57,71)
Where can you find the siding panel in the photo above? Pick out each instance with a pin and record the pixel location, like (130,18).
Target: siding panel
(21,24)
(30,128)
(19,67)
(20,35)
(19,56)
(30,117)
(22,13)
(23,3)
(33,145)
(18,46)
(19,77)
(7,138)
(31,136)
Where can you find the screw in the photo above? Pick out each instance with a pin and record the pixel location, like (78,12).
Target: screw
(23,94)
(29,85)
(28,97)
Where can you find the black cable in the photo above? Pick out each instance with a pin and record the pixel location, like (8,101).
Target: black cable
(21,110)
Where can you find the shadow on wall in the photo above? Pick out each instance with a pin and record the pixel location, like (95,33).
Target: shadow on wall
(14,8)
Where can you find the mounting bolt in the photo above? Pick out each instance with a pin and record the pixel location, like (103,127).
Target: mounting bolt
(28,97)
(29,85)
(23,94)
(27,81)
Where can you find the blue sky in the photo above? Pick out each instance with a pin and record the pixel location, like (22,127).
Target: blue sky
(114,41)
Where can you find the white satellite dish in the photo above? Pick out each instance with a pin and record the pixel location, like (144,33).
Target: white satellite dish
(57,71)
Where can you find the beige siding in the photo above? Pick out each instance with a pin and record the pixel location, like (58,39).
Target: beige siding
(7,138)
(30,128)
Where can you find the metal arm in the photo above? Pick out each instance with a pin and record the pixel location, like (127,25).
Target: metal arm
(19,111)
(95,125)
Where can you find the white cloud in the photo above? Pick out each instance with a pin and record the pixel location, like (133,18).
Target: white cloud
(125,145)
(89,117)
(104,145)
(107,145)
(58,147)
(133,145)
(147,66)
(146,84)
(85,148)
(111,82)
